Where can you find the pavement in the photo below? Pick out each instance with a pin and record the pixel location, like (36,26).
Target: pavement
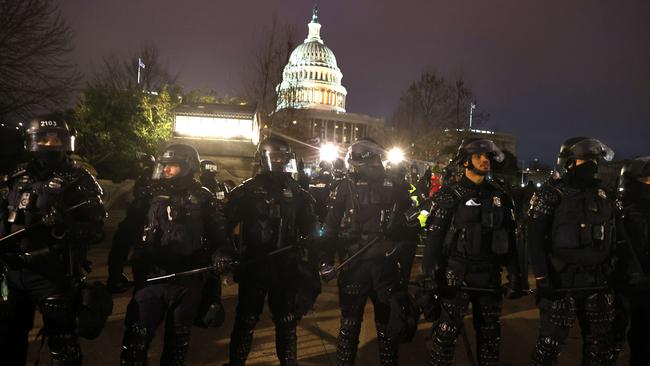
(316,333)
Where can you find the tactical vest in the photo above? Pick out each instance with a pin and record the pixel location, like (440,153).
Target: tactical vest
(29,200)
(583,227)
(369,209)
(175,230)
(478,226)
(270,220)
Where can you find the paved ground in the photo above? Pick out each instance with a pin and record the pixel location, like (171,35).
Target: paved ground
(316,335)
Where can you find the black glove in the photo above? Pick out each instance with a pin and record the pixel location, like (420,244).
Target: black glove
(223,263)
(118,284)
(327,272)
(53,218)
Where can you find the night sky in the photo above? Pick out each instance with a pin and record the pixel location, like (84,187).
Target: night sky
(544,70)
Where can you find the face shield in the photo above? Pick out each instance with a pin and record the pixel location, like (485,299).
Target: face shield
(280,161)
(49,140)
(591,149)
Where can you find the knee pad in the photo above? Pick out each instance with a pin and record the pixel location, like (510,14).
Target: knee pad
(135,345)
(546,351)
(600,312)
(56,307)
(562,312)
(64,349)
(176,346)
(445,333)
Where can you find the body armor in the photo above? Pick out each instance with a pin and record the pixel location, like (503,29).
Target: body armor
(272,212)
(47,261)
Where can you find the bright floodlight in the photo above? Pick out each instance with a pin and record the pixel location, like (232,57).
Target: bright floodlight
(395,155)
(329,152)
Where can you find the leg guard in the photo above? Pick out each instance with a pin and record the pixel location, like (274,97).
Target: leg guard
(177,342)
(546,352)
(58,321)
(388,347)
(599,343)
(286,342)
(445,334)
(64,349)
(241,339)
(488,334)
(135,346)
(347,341)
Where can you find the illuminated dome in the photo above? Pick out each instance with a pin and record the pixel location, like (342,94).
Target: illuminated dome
(311,79)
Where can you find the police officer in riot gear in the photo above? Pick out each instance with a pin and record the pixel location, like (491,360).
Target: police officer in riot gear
(571,238)
(129,230)
(184,227)
(367,209)
(210,181)
(60,205)
(634,190)
(471,234)
(273,212)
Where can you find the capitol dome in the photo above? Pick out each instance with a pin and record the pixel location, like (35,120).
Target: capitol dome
(311,79)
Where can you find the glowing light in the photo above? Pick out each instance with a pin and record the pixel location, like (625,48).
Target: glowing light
(539,185)
(329,152)
(210,127)
(395,155)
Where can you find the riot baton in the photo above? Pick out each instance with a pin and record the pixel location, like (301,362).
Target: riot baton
(18,232)
(213,267)
(330,274)
(573,289)
(479,290)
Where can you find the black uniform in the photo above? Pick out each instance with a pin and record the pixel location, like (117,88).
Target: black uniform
(44,264)
(367,206)
(470,237)
(272,212)
(184,226)
(635,197)
(571,238)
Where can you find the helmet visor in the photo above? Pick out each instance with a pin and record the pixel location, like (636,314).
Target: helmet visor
(485,147)
(592,149)
(50,140)
(281,161)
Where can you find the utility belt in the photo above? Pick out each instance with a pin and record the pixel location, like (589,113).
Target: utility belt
(578,275)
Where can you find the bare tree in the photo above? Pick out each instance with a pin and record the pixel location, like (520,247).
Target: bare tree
(122,73)
(424,106)
(268,59)
(428,107)
(34,72)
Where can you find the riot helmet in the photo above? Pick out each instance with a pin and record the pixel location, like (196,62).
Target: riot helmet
(634,182)
(479,146)
(583,148)
(364,152)
(49,134)
(208,166)
(50,139)
(184,155)
(274,155)
(364,158)
(338,168)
